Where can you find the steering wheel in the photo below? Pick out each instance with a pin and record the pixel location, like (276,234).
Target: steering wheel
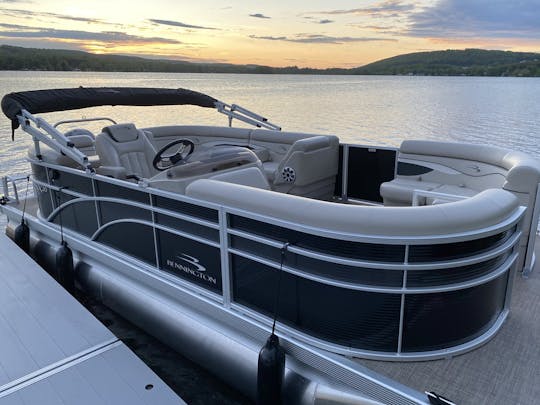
(163,162)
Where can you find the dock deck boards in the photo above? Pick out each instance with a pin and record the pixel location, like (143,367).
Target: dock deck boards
(53,351)
(506,370)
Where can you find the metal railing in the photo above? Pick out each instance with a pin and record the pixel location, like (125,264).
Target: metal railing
(84,120)
(227,251)
(9,186)
(234,111)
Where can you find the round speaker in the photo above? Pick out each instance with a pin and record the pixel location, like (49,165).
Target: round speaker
(288,174)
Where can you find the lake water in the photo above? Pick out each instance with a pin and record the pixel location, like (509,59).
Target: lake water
(378,110)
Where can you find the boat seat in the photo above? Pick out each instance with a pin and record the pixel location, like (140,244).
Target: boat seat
(308,169)
(459,169)
(399,192)
(125,151)
(466,170)
(478,212)
(82,139)
(251,176)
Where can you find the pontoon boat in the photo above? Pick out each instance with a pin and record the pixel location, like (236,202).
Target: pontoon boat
(205,235)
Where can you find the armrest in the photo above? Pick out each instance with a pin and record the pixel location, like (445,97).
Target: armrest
(311,143)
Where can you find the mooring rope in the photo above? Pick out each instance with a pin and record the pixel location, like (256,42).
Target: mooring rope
(60,217)
(276,302)
(25,198)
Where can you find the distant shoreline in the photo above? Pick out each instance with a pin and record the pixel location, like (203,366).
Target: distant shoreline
(468,62)
(266,74)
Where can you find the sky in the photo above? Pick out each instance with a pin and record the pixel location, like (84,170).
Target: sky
(304,33)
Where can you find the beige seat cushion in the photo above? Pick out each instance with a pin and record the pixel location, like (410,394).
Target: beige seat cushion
(124,150)
(400,191)
(481,211)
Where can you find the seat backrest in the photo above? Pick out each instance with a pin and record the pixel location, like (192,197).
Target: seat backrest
(521,172)
(309,167)
(124,146)
(82,139)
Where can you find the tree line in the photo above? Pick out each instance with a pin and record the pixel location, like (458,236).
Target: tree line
(469,62)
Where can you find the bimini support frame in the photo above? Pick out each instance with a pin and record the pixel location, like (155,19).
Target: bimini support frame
(243,114)
(57,141)
(51,137)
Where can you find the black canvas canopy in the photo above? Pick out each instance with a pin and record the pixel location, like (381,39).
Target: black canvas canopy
(42,101)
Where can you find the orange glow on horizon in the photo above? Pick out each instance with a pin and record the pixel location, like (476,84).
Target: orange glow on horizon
(303,34)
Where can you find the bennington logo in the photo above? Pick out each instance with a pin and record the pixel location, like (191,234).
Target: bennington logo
(191,265)
(40,189)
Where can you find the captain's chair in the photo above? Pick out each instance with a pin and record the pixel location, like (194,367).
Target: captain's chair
(125,152)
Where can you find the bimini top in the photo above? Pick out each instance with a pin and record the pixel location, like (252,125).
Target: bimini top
(42,101)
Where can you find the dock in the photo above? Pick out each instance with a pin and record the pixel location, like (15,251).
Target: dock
(53,351)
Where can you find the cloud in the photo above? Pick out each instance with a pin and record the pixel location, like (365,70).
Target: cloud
(259,15)
(104,36)
(380,29)
(16,1)
(325,21)
(269,38)
(372,27)
(387,7)
(180,24)
(479,18)
(13,26)
(319,39)
(28,13)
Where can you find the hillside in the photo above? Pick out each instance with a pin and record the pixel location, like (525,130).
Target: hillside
(18,58)
(469,62)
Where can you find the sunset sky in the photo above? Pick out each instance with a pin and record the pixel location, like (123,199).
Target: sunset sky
(314,33)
